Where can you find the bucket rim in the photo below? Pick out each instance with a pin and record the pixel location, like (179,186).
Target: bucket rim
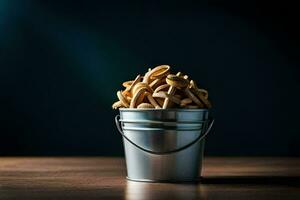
(162,109)
(161,122)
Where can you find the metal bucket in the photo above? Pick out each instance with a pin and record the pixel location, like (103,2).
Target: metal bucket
(163,145)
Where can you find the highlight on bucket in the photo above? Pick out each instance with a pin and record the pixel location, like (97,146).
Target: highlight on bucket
(164,119)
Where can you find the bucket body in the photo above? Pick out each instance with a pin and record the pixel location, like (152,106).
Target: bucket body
(163,145)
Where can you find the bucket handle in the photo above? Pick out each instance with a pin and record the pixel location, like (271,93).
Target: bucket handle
(199,138)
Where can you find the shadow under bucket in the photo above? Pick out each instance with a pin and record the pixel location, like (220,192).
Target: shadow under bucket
(163,145)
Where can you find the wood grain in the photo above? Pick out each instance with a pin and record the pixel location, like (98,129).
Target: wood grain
(104,178)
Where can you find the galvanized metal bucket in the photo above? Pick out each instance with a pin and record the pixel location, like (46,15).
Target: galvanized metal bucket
(163,145)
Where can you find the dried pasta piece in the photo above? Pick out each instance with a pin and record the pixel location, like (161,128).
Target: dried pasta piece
(194,86)
(160,72)
(157,82)
(176,81)
(145,105)
(141,85)
(136,80)
(126,93)
(123,99)
(163,94)
(127,83)
(193,97)
(135,97)
(185,102)
(202,98)
(161,87)
(160,101)
(140,99)
(204,93)
(156,73)
(152,100)
(117,104)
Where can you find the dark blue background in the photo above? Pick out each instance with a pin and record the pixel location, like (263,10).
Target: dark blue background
(61,63)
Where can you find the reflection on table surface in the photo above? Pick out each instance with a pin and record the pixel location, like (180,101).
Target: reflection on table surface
(147,191)
(218,187)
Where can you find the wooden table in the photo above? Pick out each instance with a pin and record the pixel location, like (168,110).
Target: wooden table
(104,178)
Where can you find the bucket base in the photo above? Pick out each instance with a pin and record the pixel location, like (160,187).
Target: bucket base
(197,180)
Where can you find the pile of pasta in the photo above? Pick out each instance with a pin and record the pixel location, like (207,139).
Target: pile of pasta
(158,88)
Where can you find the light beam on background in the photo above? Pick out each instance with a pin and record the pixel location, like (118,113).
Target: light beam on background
(87,52)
